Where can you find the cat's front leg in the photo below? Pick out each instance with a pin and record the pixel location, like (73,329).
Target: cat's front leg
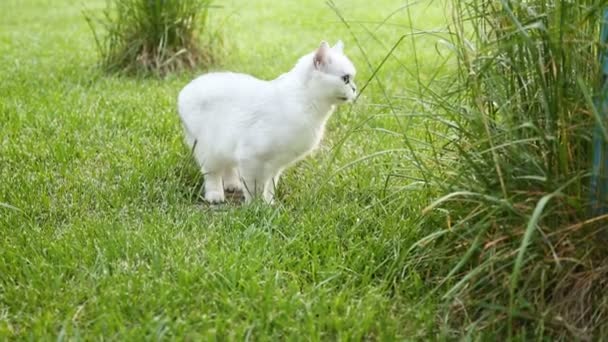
(253,187)
(268,194)
(271,188)
(255,177)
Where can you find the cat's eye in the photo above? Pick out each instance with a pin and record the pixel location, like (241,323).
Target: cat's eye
(346,78)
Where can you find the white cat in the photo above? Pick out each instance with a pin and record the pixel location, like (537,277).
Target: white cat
(245,131)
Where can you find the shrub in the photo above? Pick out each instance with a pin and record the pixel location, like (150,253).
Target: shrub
(153,36)
(523,256)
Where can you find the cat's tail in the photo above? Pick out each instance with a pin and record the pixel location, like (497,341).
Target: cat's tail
(183,109)
(189,137)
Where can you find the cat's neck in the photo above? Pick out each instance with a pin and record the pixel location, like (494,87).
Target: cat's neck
(298,84)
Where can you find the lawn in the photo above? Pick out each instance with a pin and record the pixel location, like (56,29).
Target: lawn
(102,228)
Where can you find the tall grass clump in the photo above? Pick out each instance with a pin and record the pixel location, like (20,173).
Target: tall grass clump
(153,36)
(520,255)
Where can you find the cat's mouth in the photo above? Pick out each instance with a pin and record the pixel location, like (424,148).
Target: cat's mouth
(343,98)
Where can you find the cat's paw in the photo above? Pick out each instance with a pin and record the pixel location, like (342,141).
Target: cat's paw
(269,199)
(214,197)
(232,187)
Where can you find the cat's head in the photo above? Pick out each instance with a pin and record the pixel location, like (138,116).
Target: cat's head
(334,73)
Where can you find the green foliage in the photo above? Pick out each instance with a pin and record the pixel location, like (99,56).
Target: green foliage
(516,126)
(102,231)
(154,36)
(111,240)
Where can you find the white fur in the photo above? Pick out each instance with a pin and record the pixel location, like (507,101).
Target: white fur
(245,131)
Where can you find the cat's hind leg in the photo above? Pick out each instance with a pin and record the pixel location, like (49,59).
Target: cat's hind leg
(232,180)
(212,172)
(214,189)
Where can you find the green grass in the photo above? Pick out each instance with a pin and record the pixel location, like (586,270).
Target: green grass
(103,233)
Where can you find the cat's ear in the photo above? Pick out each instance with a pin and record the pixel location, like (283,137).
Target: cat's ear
(339,46)
(321,56)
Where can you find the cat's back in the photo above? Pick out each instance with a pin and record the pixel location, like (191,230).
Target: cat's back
(214,101)
(221,85)
(221,77)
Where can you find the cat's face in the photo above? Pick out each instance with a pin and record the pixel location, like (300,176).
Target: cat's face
(334,73)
